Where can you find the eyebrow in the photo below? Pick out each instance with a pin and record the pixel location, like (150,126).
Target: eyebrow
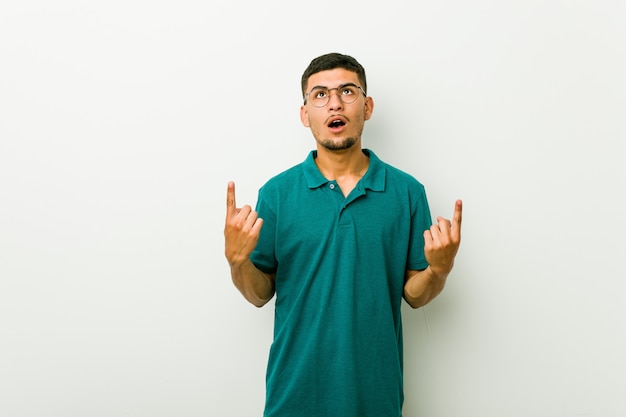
(323,87)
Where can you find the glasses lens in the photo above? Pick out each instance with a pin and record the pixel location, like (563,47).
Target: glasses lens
(321,96)
(349,93)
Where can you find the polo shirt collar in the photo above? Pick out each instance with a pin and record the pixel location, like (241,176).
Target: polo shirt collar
(374,178)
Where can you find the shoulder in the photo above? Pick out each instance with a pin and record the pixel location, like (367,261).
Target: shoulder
(286,177)
(403,176)
(299,177)
(394,176)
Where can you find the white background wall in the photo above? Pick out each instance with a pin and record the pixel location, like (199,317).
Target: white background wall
(122,121)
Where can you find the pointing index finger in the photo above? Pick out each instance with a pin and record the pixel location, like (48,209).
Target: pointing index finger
(458,215)
(458,211)
(230,199)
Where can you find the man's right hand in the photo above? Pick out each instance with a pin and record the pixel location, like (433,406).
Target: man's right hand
(242,229)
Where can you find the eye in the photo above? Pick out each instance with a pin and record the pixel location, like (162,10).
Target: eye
(348,90)
(319,93)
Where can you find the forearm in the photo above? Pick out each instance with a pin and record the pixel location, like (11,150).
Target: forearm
(421,287)
(256,286)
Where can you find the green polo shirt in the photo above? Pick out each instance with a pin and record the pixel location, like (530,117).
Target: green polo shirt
(339,264)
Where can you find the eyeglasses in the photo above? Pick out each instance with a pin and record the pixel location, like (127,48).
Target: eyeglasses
(347,93)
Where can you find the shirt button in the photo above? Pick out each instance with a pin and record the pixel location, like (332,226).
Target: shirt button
(332,186)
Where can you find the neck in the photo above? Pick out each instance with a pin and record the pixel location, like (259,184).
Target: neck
(337,165)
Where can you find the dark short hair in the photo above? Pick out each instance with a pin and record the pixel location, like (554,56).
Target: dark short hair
(331,61)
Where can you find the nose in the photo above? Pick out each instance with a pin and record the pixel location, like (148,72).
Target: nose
(334,101)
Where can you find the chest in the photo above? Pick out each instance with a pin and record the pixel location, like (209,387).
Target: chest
(329,221)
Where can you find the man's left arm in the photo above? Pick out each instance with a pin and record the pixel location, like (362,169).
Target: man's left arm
(441,243)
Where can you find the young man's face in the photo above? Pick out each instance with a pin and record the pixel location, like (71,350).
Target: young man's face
(337,125)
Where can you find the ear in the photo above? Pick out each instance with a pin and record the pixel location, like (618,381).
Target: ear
(369,107)
(304,116)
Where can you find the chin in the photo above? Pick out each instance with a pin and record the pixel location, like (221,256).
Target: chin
(338,145)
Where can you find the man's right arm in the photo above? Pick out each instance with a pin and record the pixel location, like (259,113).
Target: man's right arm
(241,235)
(256,286)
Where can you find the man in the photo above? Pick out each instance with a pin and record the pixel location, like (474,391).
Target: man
(340,239)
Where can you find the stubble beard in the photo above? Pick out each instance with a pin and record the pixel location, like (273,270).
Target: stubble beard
(332,145)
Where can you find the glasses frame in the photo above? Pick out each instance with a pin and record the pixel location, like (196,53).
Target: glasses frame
(306,96)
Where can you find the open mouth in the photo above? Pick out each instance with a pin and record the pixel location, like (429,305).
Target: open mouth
(336,123)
